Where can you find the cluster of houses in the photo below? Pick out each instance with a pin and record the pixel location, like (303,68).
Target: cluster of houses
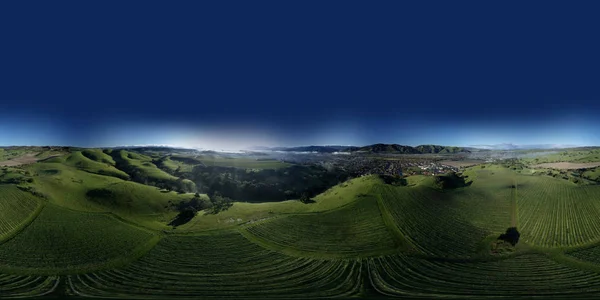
(368,165)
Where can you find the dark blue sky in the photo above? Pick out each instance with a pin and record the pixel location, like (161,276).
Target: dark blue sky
(238,73)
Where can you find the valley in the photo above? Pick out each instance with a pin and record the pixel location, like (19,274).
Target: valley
(99,223)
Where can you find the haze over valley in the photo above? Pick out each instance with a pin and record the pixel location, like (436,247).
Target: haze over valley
(299,150)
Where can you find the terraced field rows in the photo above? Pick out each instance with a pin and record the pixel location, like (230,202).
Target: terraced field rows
(355,230)
(430,221)
(60,240)
(554,213)
(591,254)
(225,265)
(483,208)
(525,275)
(16,209)
(17,286)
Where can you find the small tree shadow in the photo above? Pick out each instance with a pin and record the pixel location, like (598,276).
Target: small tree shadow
(512,236)
(183,217)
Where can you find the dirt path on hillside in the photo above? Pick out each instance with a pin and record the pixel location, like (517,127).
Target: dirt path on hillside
(28,158)
(567,165)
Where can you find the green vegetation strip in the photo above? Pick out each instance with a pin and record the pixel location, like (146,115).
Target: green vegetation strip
(221,266)
(17,210)
(525,275)
(557,213)
(25,286)
(61,241)
(357,230)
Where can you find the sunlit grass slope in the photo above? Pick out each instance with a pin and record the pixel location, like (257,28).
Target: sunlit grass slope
(80,190)
(355,230)
(242,212)
(142,169)
(95,162)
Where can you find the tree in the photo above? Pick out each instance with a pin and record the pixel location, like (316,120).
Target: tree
(305,198)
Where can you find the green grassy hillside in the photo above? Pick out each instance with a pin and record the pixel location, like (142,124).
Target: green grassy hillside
(25,286)
(570,155)
(76,189)
(94,162)
(64,241)
(241,212)
(353,231)
(522,276)
(222,266)
(431,237)
(142,169)
(17,209)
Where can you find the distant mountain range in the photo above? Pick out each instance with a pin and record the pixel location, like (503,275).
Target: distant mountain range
(510,146)
(320,149)
(375,148)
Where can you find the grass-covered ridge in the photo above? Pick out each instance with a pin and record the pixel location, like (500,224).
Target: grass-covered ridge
(420,236)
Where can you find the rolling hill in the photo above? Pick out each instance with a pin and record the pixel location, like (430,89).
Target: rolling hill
(74,231)
(400,149)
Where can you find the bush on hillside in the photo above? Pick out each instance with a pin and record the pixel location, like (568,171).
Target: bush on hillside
(393,179)
(512,236)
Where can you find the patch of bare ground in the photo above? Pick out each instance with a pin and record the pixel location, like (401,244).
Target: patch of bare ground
(568,165)
(28,158)
(461,163)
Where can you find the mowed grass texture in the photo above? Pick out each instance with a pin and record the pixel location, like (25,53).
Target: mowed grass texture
(352,231)
(557,213)
(25,286)
(222,266)
(64,241)
(523,276)
(362,238)
(17,209)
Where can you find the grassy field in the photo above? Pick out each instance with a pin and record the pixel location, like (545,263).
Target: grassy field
(17,209)
(355,230)
(95,162)
(63,241)
(570,155)
(80,190)
(25,286)
(222,266)
(242,213)
(94,235)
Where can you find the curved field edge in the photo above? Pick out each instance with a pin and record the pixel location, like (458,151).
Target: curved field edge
(337,197)
(23,286)
(122,260)
(25,222)
(222,266)
(137,253)
(368,202)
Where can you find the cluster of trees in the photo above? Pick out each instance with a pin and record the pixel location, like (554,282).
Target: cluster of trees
(219,203)
(265,185)
(180,185)
(188,209)
(393,179)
